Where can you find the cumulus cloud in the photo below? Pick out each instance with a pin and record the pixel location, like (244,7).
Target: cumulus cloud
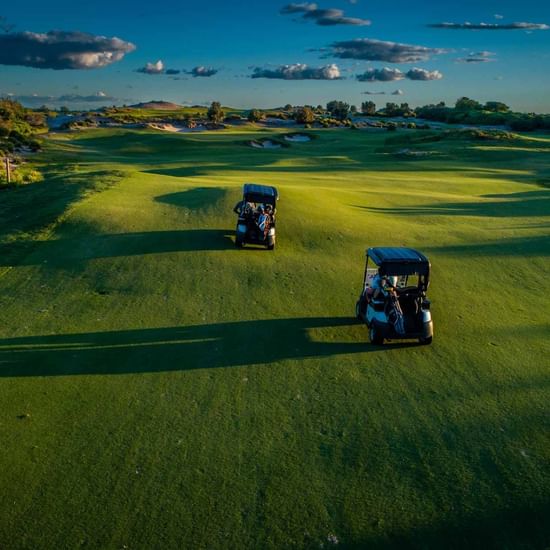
(398,92)
(152,68)
(388,74)
(157,68)
(477,57)
(61,50)
(298,71)
(423,74)
(498,16)
(202,71)
(298,8)
(380,75)
(492,26)
(369,49)
(323,17)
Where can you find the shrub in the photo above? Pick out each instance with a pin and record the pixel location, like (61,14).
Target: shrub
(305,115)
(255,115)
(215,113)
(21,177)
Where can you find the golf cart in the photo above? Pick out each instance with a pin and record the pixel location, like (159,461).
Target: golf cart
(257,211)
(401,277)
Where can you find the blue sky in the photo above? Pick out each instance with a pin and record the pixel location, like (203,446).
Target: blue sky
(236,37)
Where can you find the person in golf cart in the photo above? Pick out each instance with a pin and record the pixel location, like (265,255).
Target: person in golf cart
(380,285)
(244,208)
(393,301)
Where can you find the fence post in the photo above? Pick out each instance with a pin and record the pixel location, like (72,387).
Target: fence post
(8,169)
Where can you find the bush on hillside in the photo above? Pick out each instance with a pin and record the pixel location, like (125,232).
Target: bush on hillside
(255,115)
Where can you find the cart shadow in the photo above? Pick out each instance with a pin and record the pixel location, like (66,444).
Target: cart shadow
(209,346)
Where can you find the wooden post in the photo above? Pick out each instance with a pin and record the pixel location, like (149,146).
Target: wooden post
(8,169)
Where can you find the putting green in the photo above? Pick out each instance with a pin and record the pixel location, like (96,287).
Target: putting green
(162,389)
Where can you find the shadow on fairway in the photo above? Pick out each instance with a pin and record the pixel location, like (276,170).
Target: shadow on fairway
(520,246)
(30,208)
(70,252)
(177,348)
(199,198)
(521,524)
(513,205)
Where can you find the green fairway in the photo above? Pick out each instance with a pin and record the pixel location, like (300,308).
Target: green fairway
(161,388)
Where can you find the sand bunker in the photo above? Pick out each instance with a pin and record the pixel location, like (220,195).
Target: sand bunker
(265,144)
(166,127)
(298,138)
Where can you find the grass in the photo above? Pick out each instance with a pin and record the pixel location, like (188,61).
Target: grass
(162,389)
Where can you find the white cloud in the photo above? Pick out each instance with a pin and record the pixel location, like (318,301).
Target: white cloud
(152,68)
(298,71)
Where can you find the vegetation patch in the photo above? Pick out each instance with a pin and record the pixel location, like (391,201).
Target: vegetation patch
(19,127)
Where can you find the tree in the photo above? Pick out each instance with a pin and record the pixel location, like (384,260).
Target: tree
(255,116)
(338,109)
(288,107)
(496,107)
(353,110)
(392,109)
(305,115)
(215,113)
(368,108)
(467,104)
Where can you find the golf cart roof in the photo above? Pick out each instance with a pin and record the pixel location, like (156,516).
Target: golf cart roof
(254,192)
(399,261)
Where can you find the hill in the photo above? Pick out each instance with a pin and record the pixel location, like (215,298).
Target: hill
(157,105)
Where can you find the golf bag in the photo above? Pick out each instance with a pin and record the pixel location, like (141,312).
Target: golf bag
(395,313)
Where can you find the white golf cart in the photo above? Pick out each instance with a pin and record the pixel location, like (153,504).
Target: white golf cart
(410,272)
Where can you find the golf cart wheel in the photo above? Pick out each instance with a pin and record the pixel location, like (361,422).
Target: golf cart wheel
(358,310)
(426,341)
(375,337)
(271,246)
(239,243)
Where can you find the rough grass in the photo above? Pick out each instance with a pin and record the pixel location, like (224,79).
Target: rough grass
(162,389)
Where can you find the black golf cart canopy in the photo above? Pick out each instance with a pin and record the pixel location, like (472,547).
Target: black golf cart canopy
(252,192)
(399,261)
